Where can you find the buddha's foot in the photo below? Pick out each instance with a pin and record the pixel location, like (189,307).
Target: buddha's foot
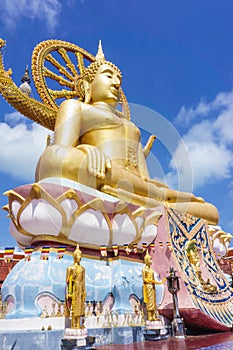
(130,197)
(199,199)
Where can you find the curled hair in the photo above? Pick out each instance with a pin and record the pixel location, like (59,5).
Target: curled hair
(92,69)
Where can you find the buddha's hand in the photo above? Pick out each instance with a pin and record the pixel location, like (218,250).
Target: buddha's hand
(97,162)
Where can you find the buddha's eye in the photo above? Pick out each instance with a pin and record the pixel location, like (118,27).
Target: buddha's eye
(108,75)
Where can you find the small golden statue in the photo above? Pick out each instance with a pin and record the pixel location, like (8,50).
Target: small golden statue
(194,259)
(98,309)
(44,313)
(76,291)
(149,292)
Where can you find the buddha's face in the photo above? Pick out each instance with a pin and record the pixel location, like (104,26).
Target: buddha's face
(148,260)
(77,257)
(106,85)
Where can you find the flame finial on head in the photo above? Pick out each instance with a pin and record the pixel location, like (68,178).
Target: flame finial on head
(100,55)
(77,250)
(147,255)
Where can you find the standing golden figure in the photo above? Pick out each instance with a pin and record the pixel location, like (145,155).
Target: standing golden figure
(149,292)
(76,291)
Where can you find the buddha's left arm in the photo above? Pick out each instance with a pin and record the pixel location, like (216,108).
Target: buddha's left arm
(142,163)
(148,146)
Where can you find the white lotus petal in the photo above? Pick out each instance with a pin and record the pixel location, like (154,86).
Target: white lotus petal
(15,208)
(40,217)
(91,228)
(148,235)
(23,239)
(69,206)
(124,230)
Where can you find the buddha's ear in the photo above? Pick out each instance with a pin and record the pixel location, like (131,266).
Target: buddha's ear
(87,91)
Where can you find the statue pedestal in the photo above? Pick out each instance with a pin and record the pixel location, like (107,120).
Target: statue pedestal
(156,330)
(33,285)
(68,213)
(76,333)
(76,338)
(68,344)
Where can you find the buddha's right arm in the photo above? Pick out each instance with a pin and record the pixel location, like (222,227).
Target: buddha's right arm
(68,123)
(97,162)
(67,133)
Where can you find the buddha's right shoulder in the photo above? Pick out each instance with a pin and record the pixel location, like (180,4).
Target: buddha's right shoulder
(71,103)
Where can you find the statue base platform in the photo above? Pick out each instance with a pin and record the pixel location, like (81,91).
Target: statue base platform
(69,213)
(36,286)
(155,334)
(156,330)
(76,338)
(80,334)
(54,339)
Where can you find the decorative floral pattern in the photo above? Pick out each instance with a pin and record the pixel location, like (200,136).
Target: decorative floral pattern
(182,229)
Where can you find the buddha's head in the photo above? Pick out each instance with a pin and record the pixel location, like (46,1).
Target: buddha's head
(148,259)
(102,81)
(77,254)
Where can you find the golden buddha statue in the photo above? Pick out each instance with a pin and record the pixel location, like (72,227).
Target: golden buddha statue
(95,145)
(76,291)
(149,292)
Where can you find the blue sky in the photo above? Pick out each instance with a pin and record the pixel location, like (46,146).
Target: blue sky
(176,57)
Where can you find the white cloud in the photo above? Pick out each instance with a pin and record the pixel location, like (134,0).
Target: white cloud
(47,10)
(14,118)
(21,149)
(223,125)
(223,99)
(209,141)
(186,116)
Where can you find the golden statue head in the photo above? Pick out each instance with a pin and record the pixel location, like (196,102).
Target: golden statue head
(147,258)
(100,81)
(191,245)
(92,69)
(77,255)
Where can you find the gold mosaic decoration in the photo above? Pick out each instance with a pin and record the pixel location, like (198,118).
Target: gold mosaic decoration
(213,297)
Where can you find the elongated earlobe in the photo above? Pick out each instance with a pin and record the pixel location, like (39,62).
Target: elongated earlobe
(87,90)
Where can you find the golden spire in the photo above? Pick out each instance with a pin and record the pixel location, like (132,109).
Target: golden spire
(100,55)
(77,250)
(25,87)
(147,256)
(26,76)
